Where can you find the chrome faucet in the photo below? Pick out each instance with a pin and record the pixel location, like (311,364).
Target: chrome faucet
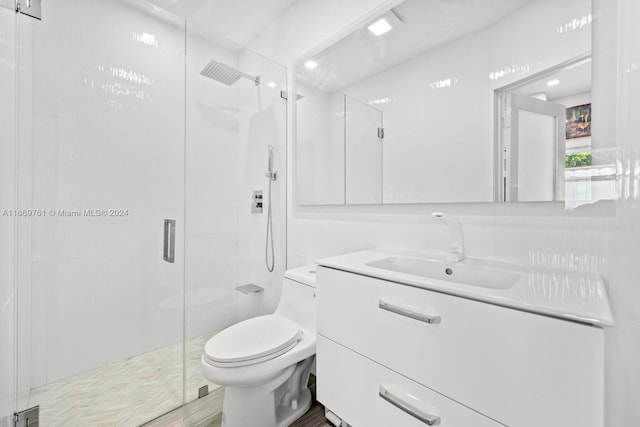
(456,245)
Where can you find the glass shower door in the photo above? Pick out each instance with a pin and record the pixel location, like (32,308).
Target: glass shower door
(363,152)
(8,119)
(105,283)
(230,125)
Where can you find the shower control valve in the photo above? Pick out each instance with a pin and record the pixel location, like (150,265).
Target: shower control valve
(256,202)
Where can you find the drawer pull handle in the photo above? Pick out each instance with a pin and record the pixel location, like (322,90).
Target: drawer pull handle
(408,313)
(428,419)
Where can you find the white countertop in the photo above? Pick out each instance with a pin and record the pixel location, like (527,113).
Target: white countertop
(565,294)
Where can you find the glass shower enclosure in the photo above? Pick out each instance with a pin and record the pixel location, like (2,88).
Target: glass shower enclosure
(8,179)
(127,224)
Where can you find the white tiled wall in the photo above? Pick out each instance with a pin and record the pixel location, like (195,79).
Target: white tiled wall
(623,349)
(66,251)
(320,146)
(228,131)
(108,112)
(431,132)
(457,119)
(262,123)
(542,233)
(543,34)
(108,117)
(362,152)
(211,189)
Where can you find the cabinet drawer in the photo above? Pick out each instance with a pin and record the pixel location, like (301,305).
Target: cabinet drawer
(366,394)
(518,368)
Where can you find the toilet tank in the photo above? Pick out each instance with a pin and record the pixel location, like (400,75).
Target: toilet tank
(298,298)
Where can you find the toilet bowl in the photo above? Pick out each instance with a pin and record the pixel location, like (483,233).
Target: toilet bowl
(264,362)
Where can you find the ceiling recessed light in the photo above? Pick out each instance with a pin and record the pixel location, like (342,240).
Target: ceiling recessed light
(385,23)
(311,64)
(272,84)
(553,82)
(380,27)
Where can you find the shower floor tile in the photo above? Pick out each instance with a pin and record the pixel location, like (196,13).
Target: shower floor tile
(127,393)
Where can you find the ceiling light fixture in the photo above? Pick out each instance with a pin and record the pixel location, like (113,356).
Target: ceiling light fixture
(385,23)
(380,27)
(311,64)
(553,82)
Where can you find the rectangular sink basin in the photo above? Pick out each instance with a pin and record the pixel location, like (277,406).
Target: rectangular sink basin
(465,273)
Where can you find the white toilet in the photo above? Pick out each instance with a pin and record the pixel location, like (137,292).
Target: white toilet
(264,362)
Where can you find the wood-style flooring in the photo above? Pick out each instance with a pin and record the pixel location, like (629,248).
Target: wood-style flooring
(315,415)
(207,412)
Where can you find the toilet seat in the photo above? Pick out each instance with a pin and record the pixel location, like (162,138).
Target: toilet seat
(252,341)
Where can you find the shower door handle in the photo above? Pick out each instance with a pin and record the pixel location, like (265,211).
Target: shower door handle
(169,249)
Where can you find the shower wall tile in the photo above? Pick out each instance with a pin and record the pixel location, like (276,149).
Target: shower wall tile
(131,335)
(7,357)
(39,339)
(262,123)
(411,167)
(7,291)
(170,323)
(131,305)
(320,153)
(211,277)
(75,315)
(212,168)
(7,154)
(109,133)
(205,216)
(108,113)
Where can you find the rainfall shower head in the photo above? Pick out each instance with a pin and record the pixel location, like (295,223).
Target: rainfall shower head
(225,74)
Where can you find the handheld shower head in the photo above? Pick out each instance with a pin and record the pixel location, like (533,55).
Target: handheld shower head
(226,74)
(270,173)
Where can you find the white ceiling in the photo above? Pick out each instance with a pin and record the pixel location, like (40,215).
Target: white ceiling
(427,24)
(238,20)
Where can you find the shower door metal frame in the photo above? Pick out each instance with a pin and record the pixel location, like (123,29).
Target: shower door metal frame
(9,148)
(32,8)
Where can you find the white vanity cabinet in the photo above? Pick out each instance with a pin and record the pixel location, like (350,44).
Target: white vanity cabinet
(389,354)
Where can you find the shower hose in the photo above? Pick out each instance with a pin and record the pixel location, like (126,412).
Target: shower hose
(269,239)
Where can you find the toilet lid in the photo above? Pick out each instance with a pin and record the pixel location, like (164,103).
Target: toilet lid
(252,341)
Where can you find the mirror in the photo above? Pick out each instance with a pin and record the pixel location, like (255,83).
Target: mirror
(545,138)
(452,101)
